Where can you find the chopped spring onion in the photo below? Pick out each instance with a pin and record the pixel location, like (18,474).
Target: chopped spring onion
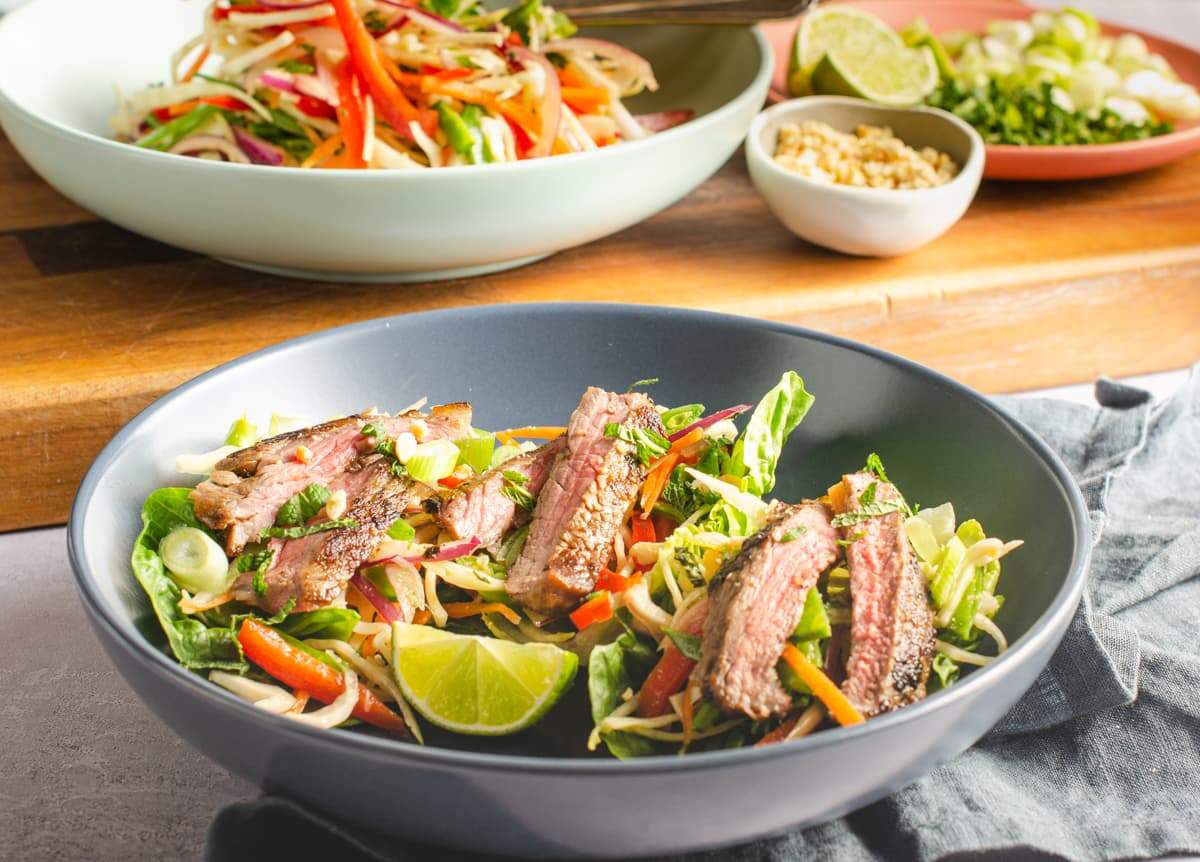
(920,536)
(961,655)
(195,561)
(477,451)
(940,520)
(432,461)
(242,433)
(504,453)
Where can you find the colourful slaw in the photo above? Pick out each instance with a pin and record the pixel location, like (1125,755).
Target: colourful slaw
(389,84)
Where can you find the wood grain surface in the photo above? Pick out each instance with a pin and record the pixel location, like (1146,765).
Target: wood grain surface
(1038,285)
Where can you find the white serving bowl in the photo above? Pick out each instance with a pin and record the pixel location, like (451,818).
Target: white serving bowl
(60,59)
(865,221)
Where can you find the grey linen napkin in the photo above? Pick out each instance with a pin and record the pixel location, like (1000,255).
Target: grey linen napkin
(1100,760)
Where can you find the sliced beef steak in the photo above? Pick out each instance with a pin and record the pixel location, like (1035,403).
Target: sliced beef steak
(247,488)
(591,486)
(891,621)
(314,569)
(755,601)
(482,509)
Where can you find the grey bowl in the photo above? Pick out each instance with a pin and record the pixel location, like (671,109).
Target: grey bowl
(536,794)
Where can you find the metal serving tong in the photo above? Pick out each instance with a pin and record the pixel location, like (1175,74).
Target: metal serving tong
(624,12)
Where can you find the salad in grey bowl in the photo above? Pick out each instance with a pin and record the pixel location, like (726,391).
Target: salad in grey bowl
(637,567)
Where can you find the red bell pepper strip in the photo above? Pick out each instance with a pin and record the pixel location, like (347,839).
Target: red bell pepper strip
(315,108)
(350,114)
(595,610)
(300,671)
(391,103)
(671,673)
(615,582)
(642,529)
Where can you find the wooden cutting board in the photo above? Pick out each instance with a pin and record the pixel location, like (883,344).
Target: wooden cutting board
(1038,285)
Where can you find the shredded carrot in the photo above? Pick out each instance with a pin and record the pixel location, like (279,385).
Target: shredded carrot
(455,610)
(585,100)
(195,66)
(823,687)
(312,135)
(657,480)
(537,432)
(323,152)
(301,702)
(837,497)
(421,617)
(181,108)
(693,436)
(368,647)
(711,562)
(561,147)
(570,77)
(685,714)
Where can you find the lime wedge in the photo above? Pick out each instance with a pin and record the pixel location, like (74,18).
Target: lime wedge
(902,77)
(851,31)
(476,685)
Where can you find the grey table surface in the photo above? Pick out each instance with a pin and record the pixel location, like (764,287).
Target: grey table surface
(86,771)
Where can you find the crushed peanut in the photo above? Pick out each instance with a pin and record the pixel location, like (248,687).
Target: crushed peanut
(419,429)
(303,454)
(872,157)
(335,506)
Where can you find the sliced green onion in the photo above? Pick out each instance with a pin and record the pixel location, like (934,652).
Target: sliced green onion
(242,433)
(814,622)
(680,417)
(432,461)
(476,451)
(941,521)
(920,536)
(942,585)
(282,423)
(195,561)
(504,453)
(401,531)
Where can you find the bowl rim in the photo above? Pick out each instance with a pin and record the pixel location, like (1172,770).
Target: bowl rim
(760,81)
(1046,629)
(968,172)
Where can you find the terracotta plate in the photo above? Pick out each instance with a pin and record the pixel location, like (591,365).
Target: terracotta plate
(1007,162)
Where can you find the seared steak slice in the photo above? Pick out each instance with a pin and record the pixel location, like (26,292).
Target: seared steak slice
(755,601)
(247,488)
(314,569)
(482,509)
(891,621)
(591,486)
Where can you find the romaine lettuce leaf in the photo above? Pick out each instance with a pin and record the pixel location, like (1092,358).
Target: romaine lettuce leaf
(336,624)
(778,413)
(612,668)
(194,644)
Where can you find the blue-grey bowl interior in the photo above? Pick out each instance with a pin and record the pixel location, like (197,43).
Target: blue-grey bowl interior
(527,364)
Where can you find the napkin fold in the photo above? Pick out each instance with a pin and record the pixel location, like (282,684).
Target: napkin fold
(1099,760)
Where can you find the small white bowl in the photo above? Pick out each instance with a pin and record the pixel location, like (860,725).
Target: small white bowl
(865,221)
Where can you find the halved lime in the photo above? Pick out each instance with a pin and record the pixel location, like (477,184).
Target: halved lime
(851,31)
(476,685)
(903,77)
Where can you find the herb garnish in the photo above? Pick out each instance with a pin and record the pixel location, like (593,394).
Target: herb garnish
(514,489)
(793,534)
(845,543)
(641,384)
(297,67)
(302,531)
(385,446)
(375,21)
(260,563)
(868,496)
(648,443)
(303,506)
(687,644)
(875,466)
(867,512)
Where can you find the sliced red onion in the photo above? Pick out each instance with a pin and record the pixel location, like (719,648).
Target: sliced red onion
(622,56)
(328,38)
(276,81)
(430,21)
(664,120)
(290,4)
(550,109)
(313,87)
(257,150)
(443,553)
(209,144)
(379,602)
(720,415)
